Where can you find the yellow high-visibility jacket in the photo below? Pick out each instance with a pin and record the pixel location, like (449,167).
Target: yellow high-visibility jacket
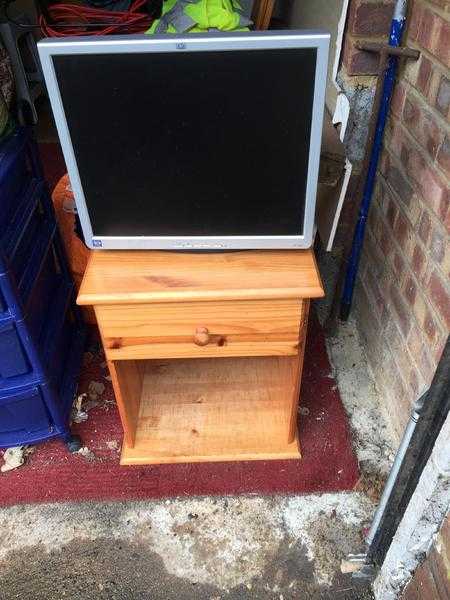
(181,16)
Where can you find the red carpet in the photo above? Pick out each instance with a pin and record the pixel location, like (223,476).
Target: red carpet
(328,463)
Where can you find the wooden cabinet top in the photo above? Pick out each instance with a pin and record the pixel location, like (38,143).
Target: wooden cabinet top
(134,276)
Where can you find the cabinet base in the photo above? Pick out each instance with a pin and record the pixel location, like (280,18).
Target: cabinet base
(142,455)
(212,410)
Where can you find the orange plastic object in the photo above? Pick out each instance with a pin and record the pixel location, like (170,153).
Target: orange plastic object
(76,251)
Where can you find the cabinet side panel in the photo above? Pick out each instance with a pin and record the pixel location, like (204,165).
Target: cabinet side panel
(127,380)
(297,365)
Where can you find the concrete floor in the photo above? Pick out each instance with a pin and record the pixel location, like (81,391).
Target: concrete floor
(184,548)
(207,548)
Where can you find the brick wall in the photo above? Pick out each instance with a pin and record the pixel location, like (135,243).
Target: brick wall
(367,19)
(431,581)
(402,300)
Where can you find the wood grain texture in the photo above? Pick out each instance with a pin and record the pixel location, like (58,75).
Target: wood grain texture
(211,410)
(239,328)
(127,379)
(298,367)
(139,348)
(115,277)
(248,308)
(262,13)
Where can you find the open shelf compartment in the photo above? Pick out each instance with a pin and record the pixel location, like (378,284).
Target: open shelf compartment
(203,409)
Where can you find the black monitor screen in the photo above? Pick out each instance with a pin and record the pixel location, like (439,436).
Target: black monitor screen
(191,143)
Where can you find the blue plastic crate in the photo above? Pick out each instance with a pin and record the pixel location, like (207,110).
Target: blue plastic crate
(20,290)
(24,328)
(41,410)
(68,372)
(27,234)
(8,290)
(16,172)
(57,337)
(19,228)
(13,355)
(31,350)
(3,306)
(41,330)
(44,292)
(23,413)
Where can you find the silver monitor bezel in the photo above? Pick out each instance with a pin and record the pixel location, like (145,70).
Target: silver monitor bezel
(191,43)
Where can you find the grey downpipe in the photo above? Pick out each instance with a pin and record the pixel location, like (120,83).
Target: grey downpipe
(426,421)
(393,475)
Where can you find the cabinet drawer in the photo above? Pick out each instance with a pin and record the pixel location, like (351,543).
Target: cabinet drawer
(196,329)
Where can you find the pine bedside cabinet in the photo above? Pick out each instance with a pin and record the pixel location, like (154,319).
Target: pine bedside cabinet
(205,350)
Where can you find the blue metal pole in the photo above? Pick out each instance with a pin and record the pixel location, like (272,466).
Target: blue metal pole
(395,37)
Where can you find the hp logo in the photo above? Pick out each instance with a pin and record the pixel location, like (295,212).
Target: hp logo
(181,46)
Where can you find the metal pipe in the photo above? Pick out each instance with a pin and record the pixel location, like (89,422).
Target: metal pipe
(395,36)
(393,475)
(427,419)
(392,51)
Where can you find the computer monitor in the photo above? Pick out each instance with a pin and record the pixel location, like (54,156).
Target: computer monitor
(204,141)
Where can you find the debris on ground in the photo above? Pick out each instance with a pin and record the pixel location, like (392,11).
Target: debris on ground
(95,390)
(85,402)
(371,483)
(373,440)
(14,457)
(90,404)
(351,566)
(79,413)
(112,445)
(87,454)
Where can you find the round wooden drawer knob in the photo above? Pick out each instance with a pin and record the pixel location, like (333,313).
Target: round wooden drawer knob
(201,336)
